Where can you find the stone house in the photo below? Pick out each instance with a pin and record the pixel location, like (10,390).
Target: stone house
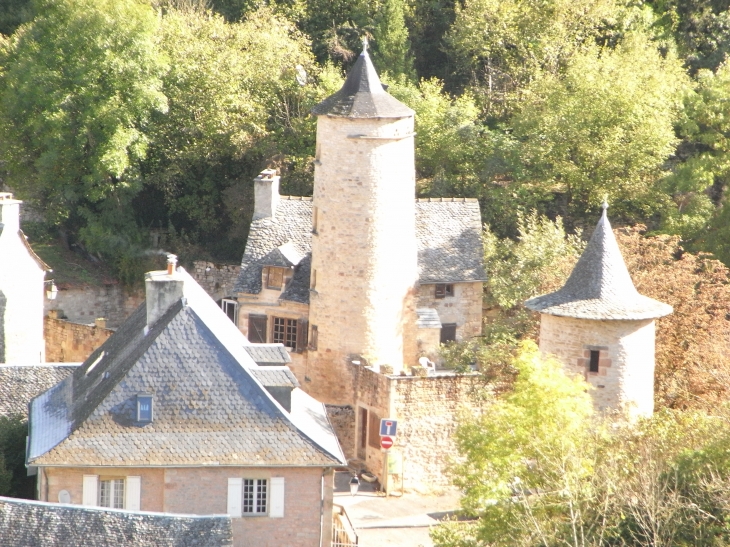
(362,273)
(21,290)
(172,415)
(601,328)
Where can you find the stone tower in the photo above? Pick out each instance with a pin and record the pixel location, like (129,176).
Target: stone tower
(21,291)
(600,327)
(364,251)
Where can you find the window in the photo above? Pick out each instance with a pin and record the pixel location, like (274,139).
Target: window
(257,329)
(256,497)
(448,332)
(112,492)
(274,278)
(593,363)
(444,290)
(285,332)
(144,410)
(315,215)
(230,308)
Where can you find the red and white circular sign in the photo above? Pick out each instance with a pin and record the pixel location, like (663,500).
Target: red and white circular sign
(386,442)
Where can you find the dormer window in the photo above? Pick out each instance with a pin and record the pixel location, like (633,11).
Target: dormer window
(274,278)
(144,408)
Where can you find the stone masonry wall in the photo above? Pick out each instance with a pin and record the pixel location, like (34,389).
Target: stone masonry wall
(464,308)
(625,377)
(68,342)
(216,279)
(342,418)
(204,491)
(84,304)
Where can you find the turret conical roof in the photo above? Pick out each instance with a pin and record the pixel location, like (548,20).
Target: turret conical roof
(362,96)
(600,286)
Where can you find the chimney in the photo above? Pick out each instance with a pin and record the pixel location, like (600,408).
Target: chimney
(163,289)
(266,194)
(9,211)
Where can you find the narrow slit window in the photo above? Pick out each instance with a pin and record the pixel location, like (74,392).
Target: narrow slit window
(593,364)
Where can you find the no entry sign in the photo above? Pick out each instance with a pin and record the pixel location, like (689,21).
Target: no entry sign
(386,442)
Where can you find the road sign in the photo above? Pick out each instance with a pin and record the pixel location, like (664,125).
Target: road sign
(386,442)
(388,427)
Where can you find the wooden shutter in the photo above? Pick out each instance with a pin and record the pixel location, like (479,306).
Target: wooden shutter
(257,329)
(374,430)
(90,494)
(302,331)
(235,492)
(276,507)
(133,493)
(313,338)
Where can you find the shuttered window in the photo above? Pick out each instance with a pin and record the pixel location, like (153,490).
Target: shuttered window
(115,493)
(257,329)
(256,497)
(284,332)
(274,278)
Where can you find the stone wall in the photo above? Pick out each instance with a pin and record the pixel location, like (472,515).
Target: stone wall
(68,342)
(464,308)
(342,418)
(86,303)
(216,279)
(625,377)
(427,409)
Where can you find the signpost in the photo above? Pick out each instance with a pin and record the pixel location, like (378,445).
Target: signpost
(388,430)
(386,442)
(388,427)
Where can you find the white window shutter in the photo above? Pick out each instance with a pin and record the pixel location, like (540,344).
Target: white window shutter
(276,509)
(133,493)
(90,490)
(235,493)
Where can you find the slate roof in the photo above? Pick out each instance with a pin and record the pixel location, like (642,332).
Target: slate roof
(20,383)
(25,523)
(268,354)
(448,232)
(362,96)
(209,408)
(600,286)
(275,377)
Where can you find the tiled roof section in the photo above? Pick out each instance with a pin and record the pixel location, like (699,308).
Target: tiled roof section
(600,286)
(362,96)
(292,223)
(25,523)
(20,383)
(208,409)
(284,256)
(268,354)
(449,243)
(428,318)
(449,232)
(275,377)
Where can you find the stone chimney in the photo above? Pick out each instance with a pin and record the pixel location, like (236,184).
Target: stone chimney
(163,289)
(266,194)
(9,211)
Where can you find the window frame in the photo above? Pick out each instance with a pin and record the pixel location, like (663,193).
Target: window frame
(142,398)
(445,328)
(287,330)
(594,361)
(226,304)
(269,271)
(443,290)
(255,502)
(116,494)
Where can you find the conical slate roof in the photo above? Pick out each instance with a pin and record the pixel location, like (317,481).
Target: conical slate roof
(600,286)
(362,96)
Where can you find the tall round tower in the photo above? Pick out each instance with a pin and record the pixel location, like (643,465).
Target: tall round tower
(364,252)
(600,327)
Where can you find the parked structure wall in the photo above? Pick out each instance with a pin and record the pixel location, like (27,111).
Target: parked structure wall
(625,377)
(83,304)
(217,279)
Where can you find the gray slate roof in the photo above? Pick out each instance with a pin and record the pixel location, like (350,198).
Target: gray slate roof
(600,286)
(25,523)
(275,377)
(209,408)
(20,383)
(362,96)
(448,232)
(268,354)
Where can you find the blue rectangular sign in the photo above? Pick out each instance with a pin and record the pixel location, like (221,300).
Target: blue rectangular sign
(388,427)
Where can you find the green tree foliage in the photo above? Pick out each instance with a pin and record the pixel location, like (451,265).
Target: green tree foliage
(79,86)
(14,480)
(392,44)
(604,128)
(13,13)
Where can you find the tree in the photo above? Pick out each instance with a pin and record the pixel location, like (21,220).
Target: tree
(392,45)
(604,128)
(77,91)
(14,480)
